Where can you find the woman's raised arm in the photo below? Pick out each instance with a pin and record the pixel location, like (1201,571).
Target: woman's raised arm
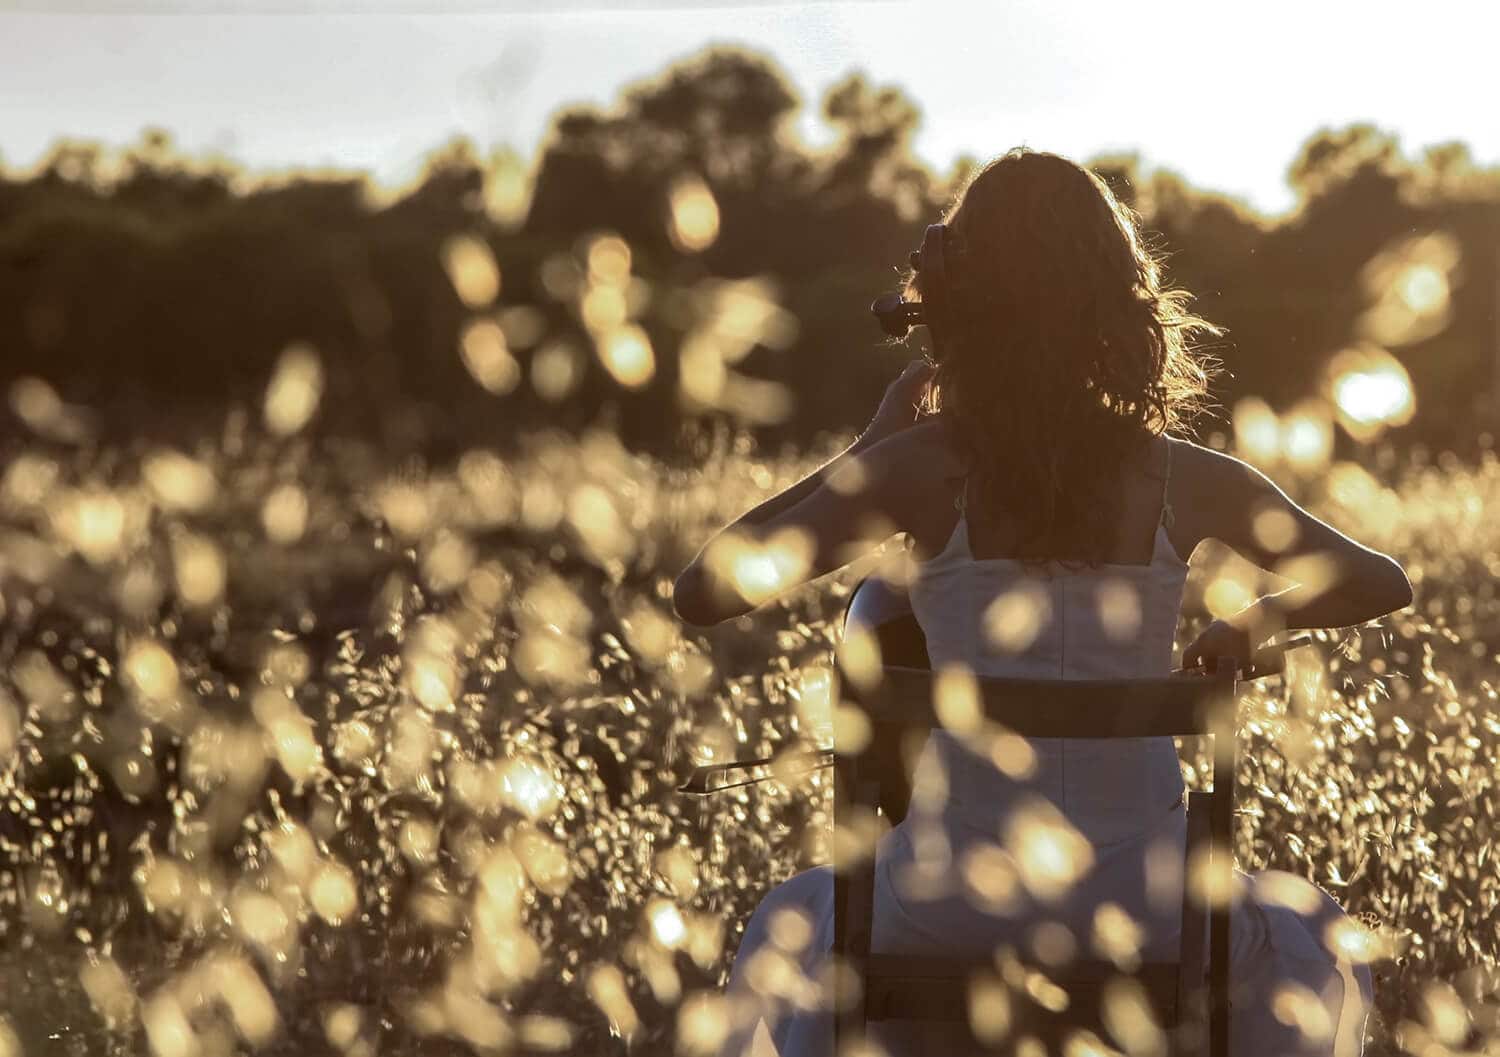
(817,525)
(1338,582)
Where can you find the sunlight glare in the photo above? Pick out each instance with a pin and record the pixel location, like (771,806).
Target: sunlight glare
(1015,619)
(1050,853)
(703,1023)
(1257,431)
(1119,609)
(472,270)
(488,358)
(626,353)
(1308,436)
(295,390)
(1371,391)
(529,788)
(989,1004)
(695,215)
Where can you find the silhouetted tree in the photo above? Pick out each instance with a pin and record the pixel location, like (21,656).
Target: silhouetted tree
(161,288)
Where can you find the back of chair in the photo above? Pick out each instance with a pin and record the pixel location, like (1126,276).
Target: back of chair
(903,700)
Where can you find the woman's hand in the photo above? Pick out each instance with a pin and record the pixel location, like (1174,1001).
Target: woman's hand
(1220,639)
(898,408)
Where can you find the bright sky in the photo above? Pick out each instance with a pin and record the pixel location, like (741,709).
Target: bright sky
(1222,93)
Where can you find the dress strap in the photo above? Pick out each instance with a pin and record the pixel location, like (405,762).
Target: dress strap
(961,501)
(1166,505)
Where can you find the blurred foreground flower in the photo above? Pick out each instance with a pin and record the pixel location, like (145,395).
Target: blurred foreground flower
(296,389)
(1302,439)
(1050,854)
(1371,390)
(1409,286)
(760,571)
(695,215)
(734,317)
(38,405)
(472,269)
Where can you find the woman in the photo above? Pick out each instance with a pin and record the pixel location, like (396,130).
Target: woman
(1037,470)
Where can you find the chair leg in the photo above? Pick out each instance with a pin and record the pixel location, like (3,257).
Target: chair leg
(857,906)
(843,792)
(1191,1034)
(1222,879)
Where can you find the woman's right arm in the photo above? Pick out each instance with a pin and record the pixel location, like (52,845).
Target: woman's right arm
(1339,581)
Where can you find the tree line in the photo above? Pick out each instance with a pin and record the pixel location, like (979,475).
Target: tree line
(159,290)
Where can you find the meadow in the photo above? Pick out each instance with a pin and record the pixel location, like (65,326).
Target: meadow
(305,752)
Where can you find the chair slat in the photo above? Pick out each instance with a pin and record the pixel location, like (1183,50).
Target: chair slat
(1182,705)
(899,987)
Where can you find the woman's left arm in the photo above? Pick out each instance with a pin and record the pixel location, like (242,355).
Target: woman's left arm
(807,530)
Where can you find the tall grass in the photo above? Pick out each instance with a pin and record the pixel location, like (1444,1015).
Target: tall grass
(306,753)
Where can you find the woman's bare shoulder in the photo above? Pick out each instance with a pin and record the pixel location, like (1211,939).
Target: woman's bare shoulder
(1208,470)
(919,474)
(930,448)
(1215,495)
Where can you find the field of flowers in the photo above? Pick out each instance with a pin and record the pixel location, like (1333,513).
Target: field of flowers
(303,752)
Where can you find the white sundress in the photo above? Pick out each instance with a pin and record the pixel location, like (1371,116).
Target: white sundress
(1125,796)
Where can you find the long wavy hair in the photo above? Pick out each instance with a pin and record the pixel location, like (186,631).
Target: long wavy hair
(1064,353)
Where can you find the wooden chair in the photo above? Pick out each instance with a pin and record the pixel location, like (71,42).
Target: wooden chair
(880,986)
(901,712)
